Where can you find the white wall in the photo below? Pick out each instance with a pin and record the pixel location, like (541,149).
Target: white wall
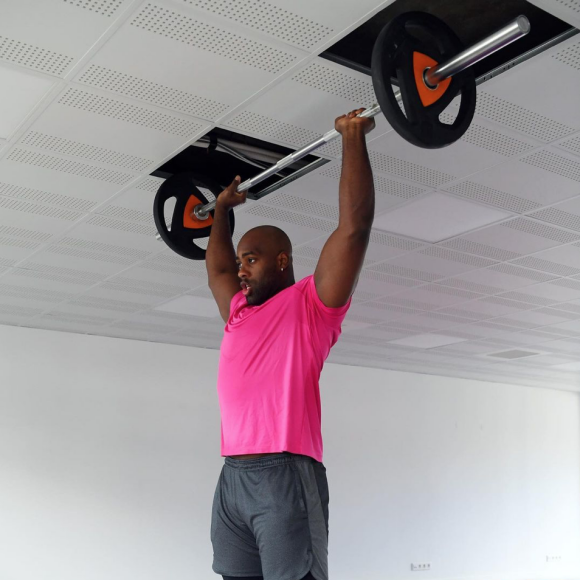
(109,457)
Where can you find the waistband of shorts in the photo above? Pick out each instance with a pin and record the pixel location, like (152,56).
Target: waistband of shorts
(267,461)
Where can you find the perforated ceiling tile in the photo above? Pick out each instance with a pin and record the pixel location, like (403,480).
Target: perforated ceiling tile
(572,145)
(151,184)
(382,246)
(25,234)
(164,263)
(519,118)
(438,296)
(7,203)
(103,7)
(540,230)
(26,295)
(383,284)
(126,227)
(558,313)
(492,140)
(323,77)
(568,307)
(131,286)
(34,57)
(408,170)
(520,87)
(390,153)
(45,197)
(151,92)
(471,247)
(66,166)
(85,151)
(72,276)
(493,197)
(395,191)
(222,42)
(285,25)
(284,216)
(129,113)
(102,252)
(566,214)
(438,262)
(404,272)
(527,182)
(51,34)
(550,161)
(306,206)
(501,277)
(517,235)
(521,272)
(546,266)
(339,92)
(570,55)
(269,128)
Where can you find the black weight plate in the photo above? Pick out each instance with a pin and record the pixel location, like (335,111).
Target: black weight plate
(180,238)
(393,57)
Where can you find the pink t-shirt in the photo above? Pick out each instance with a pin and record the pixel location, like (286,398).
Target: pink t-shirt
(270,362)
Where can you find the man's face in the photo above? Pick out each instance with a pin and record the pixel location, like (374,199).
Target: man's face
(258,269)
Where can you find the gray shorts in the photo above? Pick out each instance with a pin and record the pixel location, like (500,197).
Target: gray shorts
(270,518)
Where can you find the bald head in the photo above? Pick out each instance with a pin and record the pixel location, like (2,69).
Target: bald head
(270,240)
(264,259)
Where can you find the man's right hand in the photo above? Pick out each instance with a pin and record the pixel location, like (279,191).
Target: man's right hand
(229,197)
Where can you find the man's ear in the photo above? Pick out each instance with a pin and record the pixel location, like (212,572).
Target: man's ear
(283,261)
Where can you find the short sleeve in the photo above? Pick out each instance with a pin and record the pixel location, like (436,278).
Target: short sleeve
(325,322)
(331,316)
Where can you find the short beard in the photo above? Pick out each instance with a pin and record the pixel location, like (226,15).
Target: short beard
(267,288)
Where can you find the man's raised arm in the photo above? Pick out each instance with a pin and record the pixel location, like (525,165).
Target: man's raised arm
(343,254)
(220,257)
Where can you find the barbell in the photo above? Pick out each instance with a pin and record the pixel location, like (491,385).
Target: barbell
(432,68)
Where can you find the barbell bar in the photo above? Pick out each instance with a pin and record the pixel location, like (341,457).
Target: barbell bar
(513,31)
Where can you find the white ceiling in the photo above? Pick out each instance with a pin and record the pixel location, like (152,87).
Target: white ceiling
(97,94)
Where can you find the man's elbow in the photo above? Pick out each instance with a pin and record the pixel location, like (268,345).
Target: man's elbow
(357,229)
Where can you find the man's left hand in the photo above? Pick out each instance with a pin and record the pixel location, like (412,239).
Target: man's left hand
(351,120)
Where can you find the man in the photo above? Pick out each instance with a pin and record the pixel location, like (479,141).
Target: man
(270,508)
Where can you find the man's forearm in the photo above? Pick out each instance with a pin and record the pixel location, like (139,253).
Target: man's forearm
(356,191)
(220,255)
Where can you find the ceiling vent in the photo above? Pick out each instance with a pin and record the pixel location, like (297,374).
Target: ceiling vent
(222,154)
(513,354)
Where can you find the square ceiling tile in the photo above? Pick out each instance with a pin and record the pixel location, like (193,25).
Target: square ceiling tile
(50,35)
(534,317)
(381,284)
(53,259)
(502,277)
(441,261)
(329,89)
(556,291)
(565,214)
(525,182)
(482,146)
(21,93)
(437,217)
(563,260)
(302,23)
(437,295)
(520,88)
(381,247)
(517,236)
(164,55)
